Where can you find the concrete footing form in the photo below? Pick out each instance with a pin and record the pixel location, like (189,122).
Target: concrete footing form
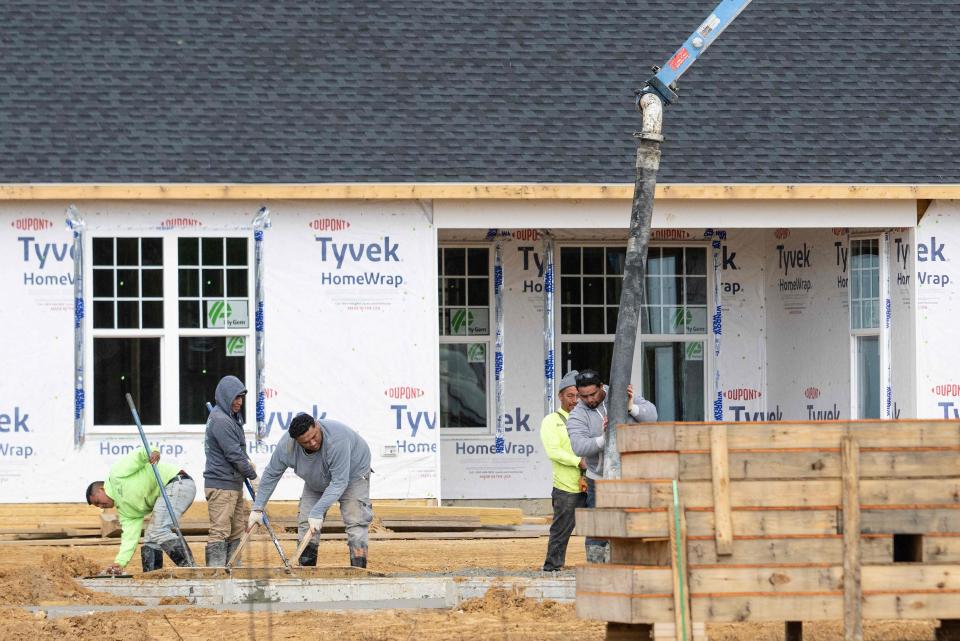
(278,592)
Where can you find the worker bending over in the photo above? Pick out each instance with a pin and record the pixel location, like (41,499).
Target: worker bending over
(334,463)
(227,466)
(132,488)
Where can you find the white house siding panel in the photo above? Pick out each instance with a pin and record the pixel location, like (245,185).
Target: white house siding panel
(903,322)
(808,335)
(937,250)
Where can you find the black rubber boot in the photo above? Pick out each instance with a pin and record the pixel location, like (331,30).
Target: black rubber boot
(358,561)
(217,554)
(176,553)
(231,546)
(309,556)
(152,558)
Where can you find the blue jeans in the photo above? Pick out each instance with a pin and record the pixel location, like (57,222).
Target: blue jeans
(597,549)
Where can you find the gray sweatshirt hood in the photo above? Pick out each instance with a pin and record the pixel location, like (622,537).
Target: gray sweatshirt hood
(228,389)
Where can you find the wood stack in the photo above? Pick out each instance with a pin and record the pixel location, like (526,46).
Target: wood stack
(770,519)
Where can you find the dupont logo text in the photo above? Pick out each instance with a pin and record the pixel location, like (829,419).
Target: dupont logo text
(180,223)
(269,392)
(812,392)
(328,224)
(526,235)
(29,223)
(781,233)
(403,392)
(742,394)
(670,234)
(946,389)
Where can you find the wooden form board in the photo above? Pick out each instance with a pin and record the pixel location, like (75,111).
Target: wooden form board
(677,437)
(644,594)
(658,493)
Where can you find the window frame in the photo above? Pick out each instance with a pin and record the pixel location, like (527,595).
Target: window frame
(488,340)
(879,331)
(706,338)
(169,335)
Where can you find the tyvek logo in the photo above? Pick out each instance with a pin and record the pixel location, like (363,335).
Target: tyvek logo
(403,392)
(812,392)
(31,223)
(742,394)
(329,224)
(180,223)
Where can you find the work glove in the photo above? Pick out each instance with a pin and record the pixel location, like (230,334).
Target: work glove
(255,518)
(316,524)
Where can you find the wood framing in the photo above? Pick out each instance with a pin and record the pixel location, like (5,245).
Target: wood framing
(842,520)
(466,191)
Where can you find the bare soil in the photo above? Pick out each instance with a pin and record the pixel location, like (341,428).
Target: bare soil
(43,575)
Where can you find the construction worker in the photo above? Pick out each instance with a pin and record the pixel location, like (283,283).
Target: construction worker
(226,468)
(334,463)
(569,486)
(586,427)
(132,489)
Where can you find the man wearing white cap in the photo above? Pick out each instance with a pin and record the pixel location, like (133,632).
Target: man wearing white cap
(569,487)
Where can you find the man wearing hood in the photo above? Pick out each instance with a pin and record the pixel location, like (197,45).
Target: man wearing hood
(586,427)
(227,467)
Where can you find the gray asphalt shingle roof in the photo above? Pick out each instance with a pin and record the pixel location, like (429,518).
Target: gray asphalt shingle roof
(489,91)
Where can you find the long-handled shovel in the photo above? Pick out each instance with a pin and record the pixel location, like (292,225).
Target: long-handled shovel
(163,491)
(236,552)
(266,524)
(304,543)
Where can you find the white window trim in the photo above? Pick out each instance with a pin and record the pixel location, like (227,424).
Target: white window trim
(169,335)
(488,339)
(880,332)
(707,338)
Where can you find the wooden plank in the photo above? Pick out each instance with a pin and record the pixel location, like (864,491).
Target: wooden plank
(658,437)
(624,579)
(679,568)
(653,465)
(633,523)
(827,548)
(721,489)
(852,597)
(781,463)
(791,435)
(657,493)
(766,579)
(907,520)
(640,551)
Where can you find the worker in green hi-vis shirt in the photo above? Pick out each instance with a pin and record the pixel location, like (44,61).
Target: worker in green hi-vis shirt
(132,489)
(569,486)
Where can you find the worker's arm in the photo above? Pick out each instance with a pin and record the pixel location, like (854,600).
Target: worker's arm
(233,449)
(338,460)
(129,537)
(130,464)
(552,435)
(271,476)
(581,441)
(641,411)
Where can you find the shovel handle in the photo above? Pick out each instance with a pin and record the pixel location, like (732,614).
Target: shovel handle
(243,542)
(304,543)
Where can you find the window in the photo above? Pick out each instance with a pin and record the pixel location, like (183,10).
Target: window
(170,318)
(865,324)
(673,321)
(464,307)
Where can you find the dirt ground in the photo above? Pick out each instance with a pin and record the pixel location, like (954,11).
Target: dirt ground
(43,575)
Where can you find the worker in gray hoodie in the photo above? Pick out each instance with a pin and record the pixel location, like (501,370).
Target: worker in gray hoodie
(334,463)
(227,466)
(586,426)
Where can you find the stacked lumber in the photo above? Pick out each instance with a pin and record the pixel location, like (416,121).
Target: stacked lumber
(771,517)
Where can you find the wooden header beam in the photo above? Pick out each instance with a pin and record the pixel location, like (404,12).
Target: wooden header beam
(465,191)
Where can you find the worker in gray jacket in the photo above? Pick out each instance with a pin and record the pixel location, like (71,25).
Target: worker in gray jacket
(227,465)
(334,463)
(586,426)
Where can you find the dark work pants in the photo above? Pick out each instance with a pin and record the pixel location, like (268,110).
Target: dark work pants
(564,515)
(596,548)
